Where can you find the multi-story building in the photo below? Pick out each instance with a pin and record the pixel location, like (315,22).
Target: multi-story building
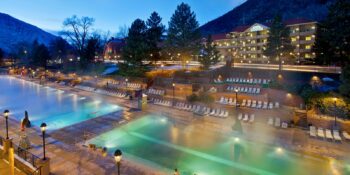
(113,49)
(247,43)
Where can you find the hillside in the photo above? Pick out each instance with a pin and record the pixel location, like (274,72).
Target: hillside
(253,11)
(14,31)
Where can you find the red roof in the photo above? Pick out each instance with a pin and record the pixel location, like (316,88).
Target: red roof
(219,36)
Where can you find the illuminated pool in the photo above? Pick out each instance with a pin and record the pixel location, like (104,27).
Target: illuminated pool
(44,104)
(156,141)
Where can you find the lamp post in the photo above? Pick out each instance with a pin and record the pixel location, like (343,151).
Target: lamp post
(43,129)
(335,108)
(118,158)
(236,91)
(6,115)
(173,93)
(126,82)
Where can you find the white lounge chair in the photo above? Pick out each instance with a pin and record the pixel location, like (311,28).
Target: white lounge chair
(244,102)
(252,118)
(254,104)
(284,125)
(313,131)
(225,114)
(278,122)
(320,133)
(346,135)
(270,121)
(277,105)
(249,103)
(336,135)
(246,118)
(329,134)
(240,115)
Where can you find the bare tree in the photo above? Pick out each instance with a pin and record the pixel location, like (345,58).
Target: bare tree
(122,31)
(77,30)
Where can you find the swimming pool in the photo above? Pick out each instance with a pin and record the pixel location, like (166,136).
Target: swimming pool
(157,141)
(56,108)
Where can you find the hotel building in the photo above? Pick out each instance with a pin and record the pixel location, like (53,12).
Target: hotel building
(246,44)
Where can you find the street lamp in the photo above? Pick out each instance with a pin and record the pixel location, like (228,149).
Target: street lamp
(118,158)
(236,91)
(6,115)
(126,83)
(173,93)
(335,108)
(43,129)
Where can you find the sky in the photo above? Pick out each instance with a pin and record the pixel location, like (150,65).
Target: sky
(109,15)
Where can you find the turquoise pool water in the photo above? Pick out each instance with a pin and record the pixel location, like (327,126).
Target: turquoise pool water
(44,104)
(156,141)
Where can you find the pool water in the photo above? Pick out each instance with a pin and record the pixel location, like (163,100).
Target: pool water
(56,108)
(156,141)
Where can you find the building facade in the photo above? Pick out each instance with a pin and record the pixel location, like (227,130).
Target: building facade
(113,49)
(246,44)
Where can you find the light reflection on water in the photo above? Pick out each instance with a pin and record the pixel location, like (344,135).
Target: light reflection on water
(45,104)
(157,142)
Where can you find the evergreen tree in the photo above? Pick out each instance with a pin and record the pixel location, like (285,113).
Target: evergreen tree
(59,49)
(278,42)
(154,35)
(344,88)
(92,49)
(40,55)
(1,56)
(322,47)
(210,55)
(333,39)
(135,50)
(183,34)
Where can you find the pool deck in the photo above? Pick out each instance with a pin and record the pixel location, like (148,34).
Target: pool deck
(69,157)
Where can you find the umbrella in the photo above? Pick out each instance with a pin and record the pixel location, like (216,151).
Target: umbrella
(327,79)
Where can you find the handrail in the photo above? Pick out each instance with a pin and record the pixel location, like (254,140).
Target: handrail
(37,171)
(26,155)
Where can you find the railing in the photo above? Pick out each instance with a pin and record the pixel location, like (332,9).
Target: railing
(1,141)
(37,171)
(26,155)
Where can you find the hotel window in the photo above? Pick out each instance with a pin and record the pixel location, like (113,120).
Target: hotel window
(313,27)
(294,39)
(308,38)
(308,47)
(307,55)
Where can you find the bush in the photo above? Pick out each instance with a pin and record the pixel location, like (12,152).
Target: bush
(202,97)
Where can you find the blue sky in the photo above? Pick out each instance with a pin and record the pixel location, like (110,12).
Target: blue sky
(109,14)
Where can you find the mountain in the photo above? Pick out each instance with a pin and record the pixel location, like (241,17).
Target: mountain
(253,11)
(14,31)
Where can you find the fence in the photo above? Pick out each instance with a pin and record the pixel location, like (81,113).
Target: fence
(26,156)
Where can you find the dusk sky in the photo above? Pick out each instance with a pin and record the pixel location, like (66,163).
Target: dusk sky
(109,14)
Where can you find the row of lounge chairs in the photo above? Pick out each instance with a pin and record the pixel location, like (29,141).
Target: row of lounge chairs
(103,92)
(277,122)
(227,101)
(156,91)
(246,117)
(241,89)
(248,80)
(259,104)
(112,93)
(134,85)
(327,134)
(200,110)
(162,102)
(85,88)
